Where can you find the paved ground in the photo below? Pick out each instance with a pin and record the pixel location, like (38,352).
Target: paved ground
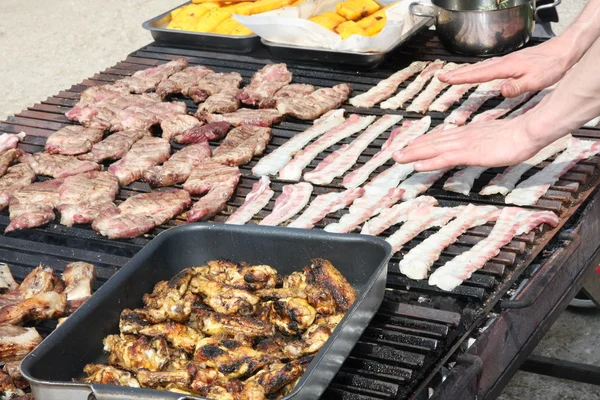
(48,45)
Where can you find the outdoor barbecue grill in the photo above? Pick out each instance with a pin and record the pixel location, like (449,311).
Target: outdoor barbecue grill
(417,343)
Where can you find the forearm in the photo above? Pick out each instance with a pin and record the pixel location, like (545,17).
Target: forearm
(574,102)
(582,33)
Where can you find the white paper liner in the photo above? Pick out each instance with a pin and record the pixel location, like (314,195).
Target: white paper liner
(291,26)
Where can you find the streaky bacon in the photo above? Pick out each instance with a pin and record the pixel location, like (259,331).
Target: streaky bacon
(483,93)
(325,204)
(503,108)
(451,96)
(435,87)
(255,201)
(462,181)
(534,101)
(395,215)
(414,87)
(291,201)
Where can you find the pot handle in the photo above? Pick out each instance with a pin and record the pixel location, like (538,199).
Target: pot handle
(543,7)
(413,11)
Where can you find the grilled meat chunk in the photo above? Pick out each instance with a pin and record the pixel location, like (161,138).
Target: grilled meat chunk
(13,369)
(295,90)
(214,83)
(16,178)
(132,353)
(178,125)
(10,140)
(214,202)
(312,340)
(139,214)
(204,133)
(8,157)
(230,357)
(328,277)
(148,79)
(73,140)
(215,324)
(182,81)
(83,197)
(273,345)
(144,154)
(222,298)
(39,280)
(179,167)
(265,83)
(40,306)
(178,335)
(132,322)
(33,205)
(315,104)
(225,101)
(7,282)
(244,116)
(280,293)
(275,376)
(79,278)
(203,377)
(241,144)
(8,390)
(239,276)
(108,375)
(16,342)
(57,165)
(113,147)
(157,379)
(292,315)
(171,297)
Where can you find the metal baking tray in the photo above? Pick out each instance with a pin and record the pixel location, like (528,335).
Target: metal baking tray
(341,58)
(362,259)
(197,40)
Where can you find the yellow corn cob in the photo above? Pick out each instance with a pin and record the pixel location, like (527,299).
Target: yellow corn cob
(348,29)
(353,10)
(328,20)
(212,19)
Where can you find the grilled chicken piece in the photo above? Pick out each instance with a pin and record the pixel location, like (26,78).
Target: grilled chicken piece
(273,346)
(252,391)
(40,280)
(13,369)
(202,377)
(275,376)
(312,340)
(321,299)
(178,335)
(132,322)
(41,306)
(16,342)
(280,293)
(132,353)
(222,298)
(170,297)
(80,278)
(108,375)
(295,280)
(8,390)
(7,282)
(156,379)
(240,276)
(230,357)
(327,276)
(292,315)
(17,177)
(220,390)
(215,324)
(8,157)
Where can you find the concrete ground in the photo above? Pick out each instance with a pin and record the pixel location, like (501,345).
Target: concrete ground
(48,45)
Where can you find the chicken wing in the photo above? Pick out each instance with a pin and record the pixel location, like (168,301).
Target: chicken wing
(79,278)
(203,377)
(155,379)
(178,335)
(171,297)
(132,322)
(108,375)
(280,293)
(214,324)
(133,353)
(240,276)
(327,276)
(223,298)
(8,390)
(292,316)
(275,376)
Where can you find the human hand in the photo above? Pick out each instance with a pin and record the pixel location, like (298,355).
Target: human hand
(486,144)
(527,70)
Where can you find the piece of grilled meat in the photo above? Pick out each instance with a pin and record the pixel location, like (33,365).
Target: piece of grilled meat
(223,298)
(178,335)
(46,305)
(132,353)
(292,315)
(215,324)
(16,342)
(275,376)
(327,276)
(108,375)
(240,276)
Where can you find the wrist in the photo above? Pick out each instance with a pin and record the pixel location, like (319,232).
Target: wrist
(541,131)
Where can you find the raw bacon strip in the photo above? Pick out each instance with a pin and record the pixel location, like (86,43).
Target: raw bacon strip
(503,108)
(293,169)
(325,204)
(289,203)
(414,87)
(535,100)
(380,193)
(10,140)
(340,161)
(420,220)
(483,93)
(417,262)
(398,139)
(255,201)
(451,96)
(435,87)
(529,191)
(507,180)
(462,181)
(395,215)
(387,87)
(272,163)
(511,222)
(593,123)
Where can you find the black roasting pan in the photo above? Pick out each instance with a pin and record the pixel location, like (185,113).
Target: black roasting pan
(78,341)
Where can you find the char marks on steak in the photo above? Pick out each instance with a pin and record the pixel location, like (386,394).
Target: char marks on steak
(315,104)
(17,177)
(57,165)
(114,146)
(241,144)
(182,81)
(245,116)
(177,125)
(225,101)
(204,133)
(73,140)
(148,79)
(83,197)
(139,214)
(179,167)
(214,83)
(8,157)
(265,83)
(292,91)
(33,205)
(145,153)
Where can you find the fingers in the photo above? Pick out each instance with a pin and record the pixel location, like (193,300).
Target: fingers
(439,162)
(482,72)
(418,152)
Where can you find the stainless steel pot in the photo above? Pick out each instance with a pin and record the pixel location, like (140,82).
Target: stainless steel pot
(473,27)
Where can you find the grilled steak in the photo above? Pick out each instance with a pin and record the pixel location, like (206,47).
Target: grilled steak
(56,165)
(295,90)
(204,133)
(265,83)
(144,117)
(241,144)
(223,102)
(33,205)
(17,177)
(73,140)
(148,79)
(84,196)
(179,167)
(8,157)
(16,342)
(245,116)
(113,147)
(177,125)
(141,213)
(214,83)
(181,81)
(145,153)
(316,104)
(214,202)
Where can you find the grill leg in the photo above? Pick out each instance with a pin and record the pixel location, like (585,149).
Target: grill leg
(591,287)
(562,369)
